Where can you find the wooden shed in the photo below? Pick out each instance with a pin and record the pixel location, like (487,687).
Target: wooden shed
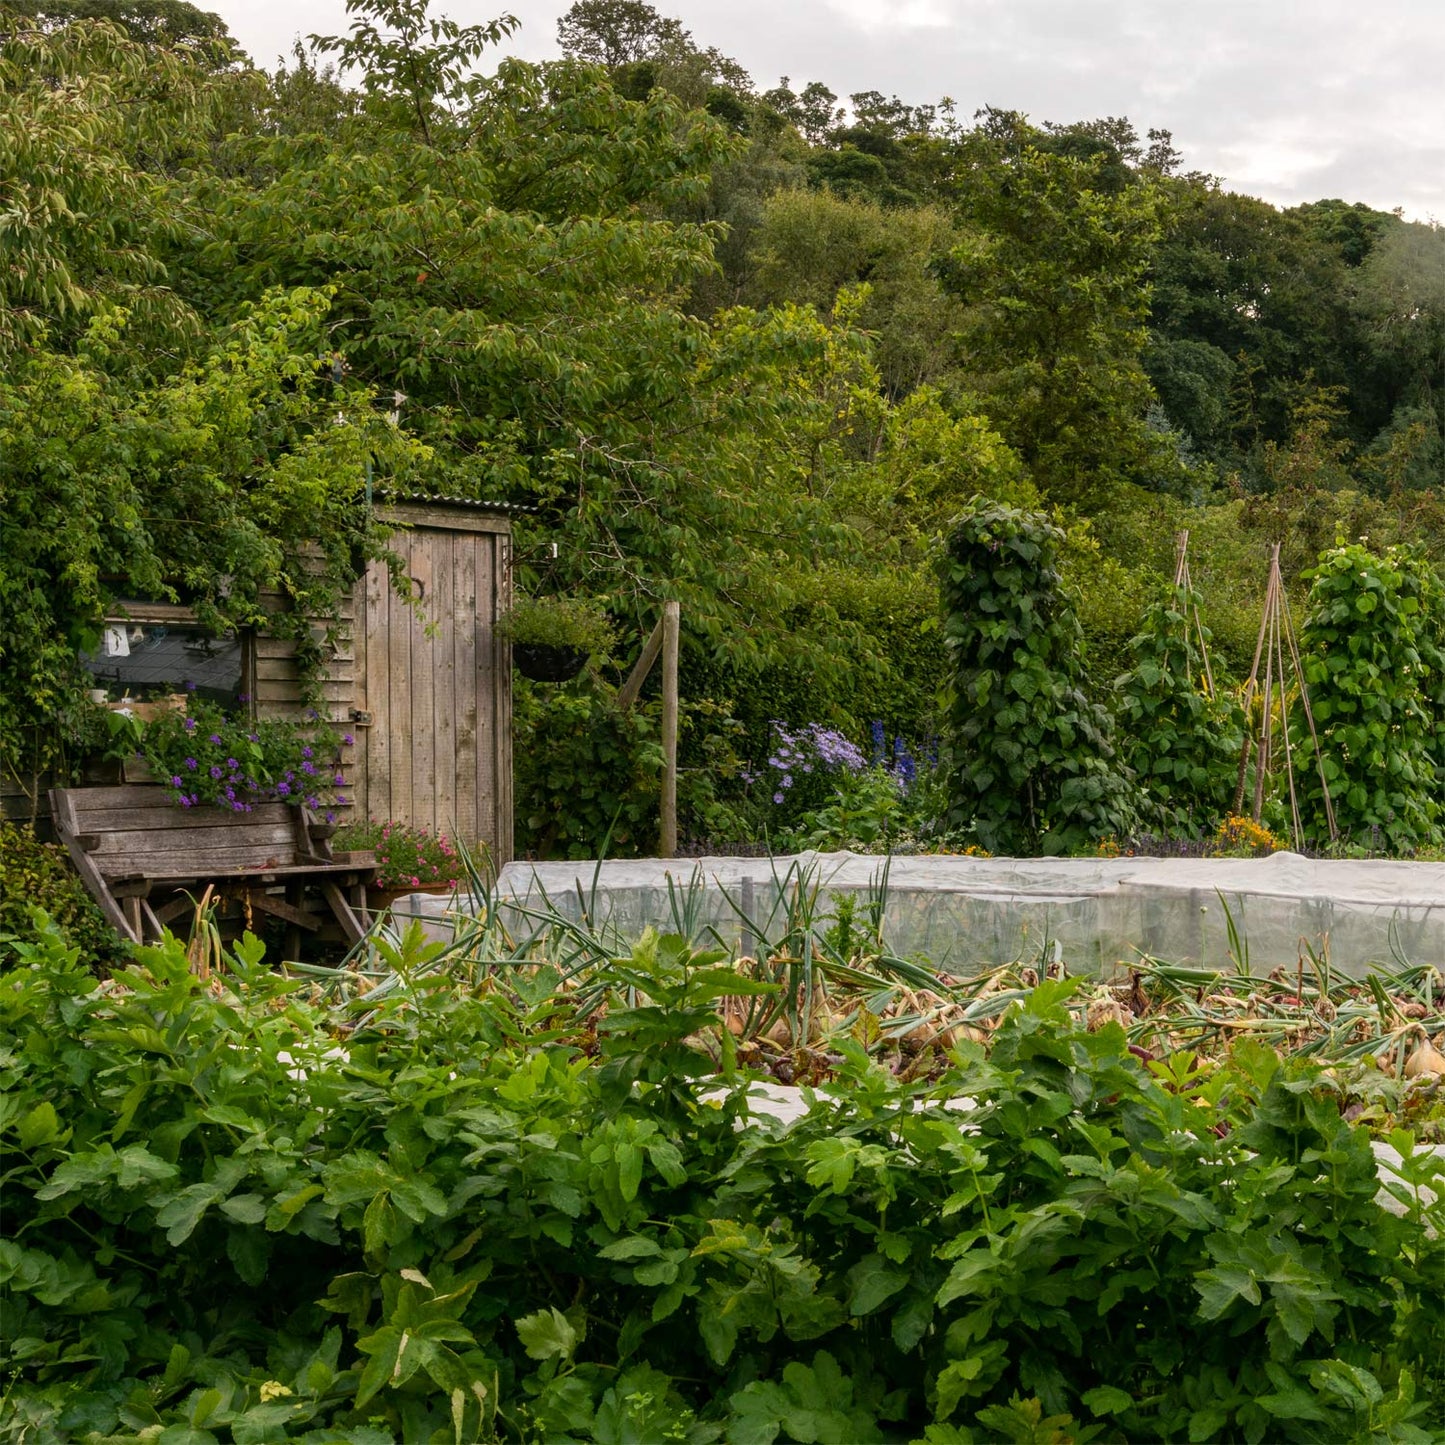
(423,689)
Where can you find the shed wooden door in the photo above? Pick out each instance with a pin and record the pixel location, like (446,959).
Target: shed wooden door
(434,681)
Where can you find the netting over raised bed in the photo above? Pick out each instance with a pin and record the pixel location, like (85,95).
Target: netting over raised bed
(963,914)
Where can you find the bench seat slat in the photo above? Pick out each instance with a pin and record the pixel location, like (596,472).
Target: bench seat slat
(265,839)
(194,863)
(171,817)
(258,875)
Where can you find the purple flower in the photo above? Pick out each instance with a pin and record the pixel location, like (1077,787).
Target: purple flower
(313,803)
(214,739)
(215,770)
(253,737)
(348,738)
(340,799)
(306,752)
(178,781)
(339,780)
(309,768)
(331,817)
(777,797)
(184,801)
(191,764)
(239,808)
(787,780)
(282,789)
(243,697)
(232,764)
(190,687)
(190,724)
(231,794)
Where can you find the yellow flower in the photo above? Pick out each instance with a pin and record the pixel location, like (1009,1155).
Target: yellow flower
(274,1390)
(1243,835)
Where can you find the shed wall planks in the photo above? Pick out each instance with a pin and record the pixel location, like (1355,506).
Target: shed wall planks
(432,682)
(438,753)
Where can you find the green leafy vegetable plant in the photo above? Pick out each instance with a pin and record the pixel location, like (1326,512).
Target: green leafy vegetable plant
(456,1209)
(1374,664)
(38,875)
(1182,743)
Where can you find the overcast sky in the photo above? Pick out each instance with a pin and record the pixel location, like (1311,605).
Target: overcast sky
(1292,100)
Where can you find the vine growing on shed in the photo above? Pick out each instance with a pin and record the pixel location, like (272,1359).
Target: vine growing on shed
(236,480)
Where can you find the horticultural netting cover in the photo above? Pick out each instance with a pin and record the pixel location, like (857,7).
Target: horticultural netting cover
(966,914)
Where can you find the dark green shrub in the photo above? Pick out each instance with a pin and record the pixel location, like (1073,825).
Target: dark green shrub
(38,875)
(869,649)
(1033,761)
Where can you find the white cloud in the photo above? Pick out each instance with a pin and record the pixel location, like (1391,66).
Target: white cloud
(1289,100)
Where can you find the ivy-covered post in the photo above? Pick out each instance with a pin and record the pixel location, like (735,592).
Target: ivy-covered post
(1032,764)
(1372,660)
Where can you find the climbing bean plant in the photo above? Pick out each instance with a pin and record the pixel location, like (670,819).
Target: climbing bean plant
(1374,665)
(1182,740)
(1033,766)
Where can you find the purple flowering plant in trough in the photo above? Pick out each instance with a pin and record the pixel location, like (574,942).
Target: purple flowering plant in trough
(208,758)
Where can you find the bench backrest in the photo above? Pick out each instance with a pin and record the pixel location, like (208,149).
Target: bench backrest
(138,830)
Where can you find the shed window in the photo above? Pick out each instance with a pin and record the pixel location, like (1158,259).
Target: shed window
(147,659)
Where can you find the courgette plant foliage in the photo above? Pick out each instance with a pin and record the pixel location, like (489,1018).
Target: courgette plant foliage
(472,1217)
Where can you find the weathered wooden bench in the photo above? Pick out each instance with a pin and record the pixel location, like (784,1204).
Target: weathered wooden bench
(144,859)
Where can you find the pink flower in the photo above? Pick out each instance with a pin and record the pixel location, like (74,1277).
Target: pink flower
(415,881)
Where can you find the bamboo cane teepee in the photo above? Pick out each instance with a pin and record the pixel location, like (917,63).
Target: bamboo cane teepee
(1194,632)
(1278,651)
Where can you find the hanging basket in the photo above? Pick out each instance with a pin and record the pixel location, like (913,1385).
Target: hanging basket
(548,664)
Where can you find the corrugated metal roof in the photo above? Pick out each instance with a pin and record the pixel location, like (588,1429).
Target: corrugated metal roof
(470,503)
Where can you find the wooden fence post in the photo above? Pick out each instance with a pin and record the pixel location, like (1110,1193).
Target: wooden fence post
(662,640)
(668,830)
